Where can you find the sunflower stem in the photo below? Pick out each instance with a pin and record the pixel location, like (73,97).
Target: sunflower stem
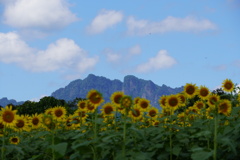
(124,135)
(3,145)
(53,154)
(215,136)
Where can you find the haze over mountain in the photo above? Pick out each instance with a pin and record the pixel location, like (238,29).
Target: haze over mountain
(131,86)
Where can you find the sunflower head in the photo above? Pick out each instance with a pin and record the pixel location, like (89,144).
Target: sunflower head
(162,101)
(225,107)
(199,104)
(136,113)
(126,102)
(182,98)
(108,109)
(153,112)
(59,113)
(213,99)
(35,120)
(8,116)
(14,140)
(190,90)
(136,100)
(95,97)
(90,107)
(173,102)
(143,104)
(21,124)
(228,85)
(48,122)
(116,98)
(82,104)
(203,92)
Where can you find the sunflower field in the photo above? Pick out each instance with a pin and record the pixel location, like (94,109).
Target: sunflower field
(195,124)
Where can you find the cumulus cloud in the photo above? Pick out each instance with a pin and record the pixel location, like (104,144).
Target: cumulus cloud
(160,61)
(104,20)
(135,50)
(112,56)
(44,14)
(125,55)
(187,24)
(62,54)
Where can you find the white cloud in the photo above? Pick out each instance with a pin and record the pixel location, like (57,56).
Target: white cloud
(112,56)
(63,54)
(44,14)
(135,50)
(160,61)
(104,20)
(187,24)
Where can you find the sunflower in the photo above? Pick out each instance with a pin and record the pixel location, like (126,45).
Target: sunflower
(199,104)
(21,124)
(95,97)
(228,85)
(162,101)
(90,107)
(48,111)
(225,107)
(116,98)
(182,98)
(143,104)
(36,121)
(136,113)
(190,90)
(47,121)
(59,113)
(172,102)
(126,102)
(82,114)
(8,116)
(108,109)
(167,111)
(14,140)
(136,100)
(203,92)
(82,104)
(153,112)
(213,99)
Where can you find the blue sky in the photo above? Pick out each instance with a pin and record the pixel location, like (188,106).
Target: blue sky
(45,44)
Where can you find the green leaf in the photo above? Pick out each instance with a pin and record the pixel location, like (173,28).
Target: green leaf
(60,148)
(201,155)
(176,150)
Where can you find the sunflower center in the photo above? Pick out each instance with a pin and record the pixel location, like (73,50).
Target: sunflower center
(199,105)
(152,113)
(204,92)
(58,113)
(117,99)
(136,113)
(20,124)
(95,98)
(35,121)
(173,102)
(8,116)
(14,140)
(223,107)
(108,110)
(190,90)
(82,105)
(182,99)
(228,86)
(144,105)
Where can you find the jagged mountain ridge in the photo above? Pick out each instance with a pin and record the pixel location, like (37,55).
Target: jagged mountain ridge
(131,86)
(5,101)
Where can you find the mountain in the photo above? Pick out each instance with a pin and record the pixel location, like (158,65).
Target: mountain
(4,101)
(131,86)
